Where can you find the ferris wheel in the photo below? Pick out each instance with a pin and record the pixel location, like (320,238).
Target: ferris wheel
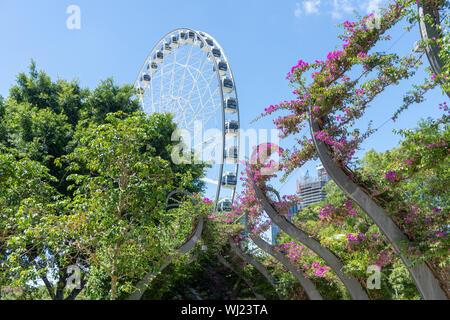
(188,74)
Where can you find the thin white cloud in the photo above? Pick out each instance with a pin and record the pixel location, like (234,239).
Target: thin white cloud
(298,10)
(373,6)
(307,7)
(311,7)
(340,8)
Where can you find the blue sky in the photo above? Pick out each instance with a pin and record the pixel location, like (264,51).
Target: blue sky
(262,40)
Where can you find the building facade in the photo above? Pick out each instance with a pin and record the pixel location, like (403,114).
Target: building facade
(312,191)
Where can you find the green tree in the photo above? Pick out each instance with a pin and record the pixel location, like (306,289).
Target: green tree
(43,122)
(38,90)
(118,217)
(109,98)
(27,202)
(2,126)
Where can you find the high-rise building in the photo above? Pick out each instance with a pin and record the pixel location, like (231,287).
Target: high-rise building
(312,191)
(275,229)
(322,174)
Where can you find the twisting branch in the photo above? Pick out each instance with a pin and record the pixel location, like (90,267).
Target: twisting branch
(427,32)
(351,283)
(74,293)
(426,283)
(186,247)
(247,281)
(306,284)
(256,264)
(195,293)
(49,287)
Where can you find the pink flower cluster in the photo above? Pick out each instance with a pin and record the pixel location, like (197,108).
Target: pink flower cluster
(300,66)
(326,211)
(299,255)
(391,176)
(352,240)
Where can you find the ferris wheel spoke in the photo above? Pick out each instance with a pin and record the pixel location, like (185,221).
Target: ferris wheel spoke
(199,72)
(173,72)
(209,85)
(186,114)
(185,68)
(151,90)
(212,95)
(209,100)
(183,113)
(185,100)
(207,141)
(170,78)
(203,108)
(161,88)
(199,112)
(211,116)
(201,96)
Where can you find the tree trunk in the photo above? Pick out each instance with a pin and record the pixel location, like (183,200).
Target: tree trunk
(113,288)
